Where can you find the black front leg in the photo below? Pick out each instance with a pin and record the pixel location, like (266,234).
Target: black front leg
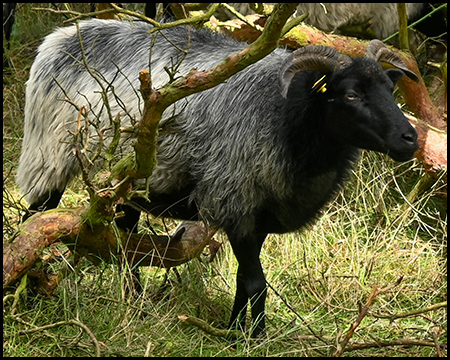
(250,283)
(130,222)
(237,320)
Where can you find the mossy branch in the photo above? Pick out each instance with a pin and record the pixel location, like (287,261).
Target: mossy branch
(403,26)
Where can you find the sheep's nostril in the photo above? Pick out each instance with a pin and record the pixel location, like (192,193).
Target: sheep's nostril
(410,138)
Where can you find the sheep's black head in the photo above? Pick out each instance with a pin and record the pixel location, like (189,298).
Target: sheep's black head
(356,97)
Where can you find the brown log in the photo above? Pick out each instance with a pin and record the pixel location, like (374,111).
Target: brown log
(417,98)
(104,6)
(66,225)
(432,146)
(38,232)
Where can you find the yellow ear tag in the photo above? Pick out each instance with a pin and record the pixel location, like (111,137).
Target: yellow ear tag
(322,88)
(320,85)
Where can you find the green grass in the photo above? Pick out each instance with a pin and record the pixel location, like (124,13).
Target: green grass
(320,276)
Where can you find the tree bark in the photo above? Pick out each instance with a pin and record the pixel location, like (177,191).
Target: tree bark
(38,232)
(432,147)
(101,243)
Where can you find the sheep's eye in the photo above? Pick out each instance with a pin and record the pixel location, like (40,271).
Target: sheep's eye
(351,96)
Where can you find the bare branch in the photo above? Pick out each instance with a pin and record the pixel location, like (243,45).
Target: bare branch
(362,314)
(211,330)
(60,323)
(411,313)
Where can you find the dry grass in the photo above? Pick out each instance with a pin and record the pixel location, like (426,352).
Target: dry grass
(319,278)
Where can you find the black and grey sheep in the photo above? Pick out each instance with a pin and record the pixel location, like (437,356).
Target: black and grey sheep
(262,153)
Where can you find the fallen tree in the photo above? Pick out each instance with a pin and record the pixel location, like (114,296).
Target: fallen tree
(102,243)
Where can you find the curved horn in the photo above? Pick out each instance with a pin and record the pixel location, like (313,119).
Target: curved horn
(321,58)
(377,51)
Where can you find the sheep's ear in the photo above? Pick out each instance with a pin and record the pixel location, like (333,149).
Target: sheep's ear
(394,74)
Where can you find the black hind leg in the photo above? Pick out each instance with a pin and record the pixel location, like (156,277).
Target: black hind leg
(47,202)
(129,222)
(250,283)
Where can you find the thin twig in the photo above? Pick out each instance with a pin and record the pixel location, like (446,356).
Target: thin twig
(293,23)
(77,15)
(241,17)
(211,330)
(22,286)
(188,21)
(371,344)
(60,323)
(418,21)
(436,344)
(362,314)
(297,314)
(411,313)
(382,343)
